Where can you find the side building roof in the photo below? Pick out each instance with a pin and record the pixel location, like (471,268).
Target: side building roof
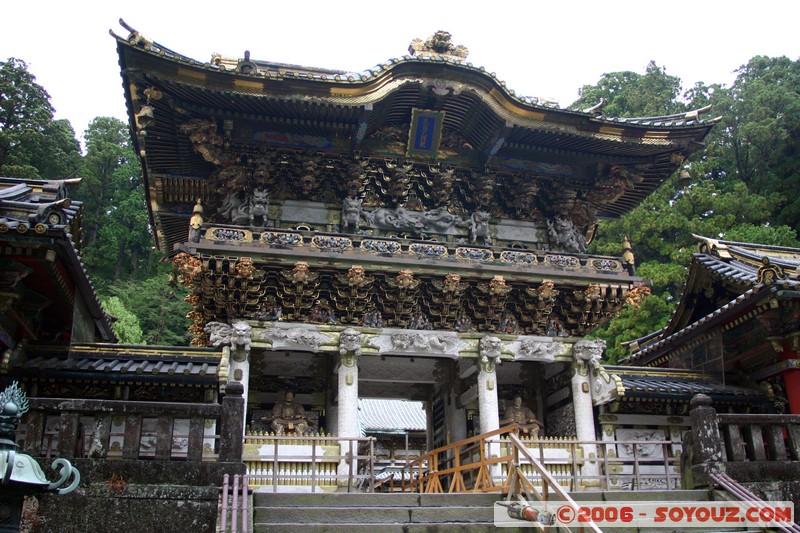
(726,280)
(42,267)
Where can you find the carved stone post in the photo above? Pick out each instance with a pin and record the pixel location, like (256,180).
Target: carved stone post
(349,350)
(584,352)
(706,443)
(232,423)
(240,373)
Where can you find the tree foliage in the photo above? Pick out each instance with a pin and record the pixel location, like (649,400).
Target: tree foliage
(126,325)
(741,186)
(159,307)
(117,236)
(32,144)
(629,94)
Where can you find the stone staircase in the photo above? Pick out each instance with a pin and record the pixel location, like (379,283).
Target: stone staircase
(382,512)
(415,513)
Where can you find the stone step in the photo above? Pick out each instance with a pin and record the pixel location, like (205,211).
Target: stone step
(373,514)
(418,513)
(675,495)
(381,528)
(357,499)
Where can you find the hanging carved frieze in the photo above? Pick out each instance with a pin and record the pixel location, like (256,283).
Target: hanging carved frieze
(445,301)
(189,268)
(281,239)
(353,294)
(538,303)
(635,296)
(490,304)
(249,178)
(442,182)
(399,219)
(231,287)
(228,288)
(299,291)
(399,299)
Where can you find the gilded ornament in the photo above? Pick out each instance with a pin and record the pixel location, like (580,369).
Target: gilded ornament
(245,267)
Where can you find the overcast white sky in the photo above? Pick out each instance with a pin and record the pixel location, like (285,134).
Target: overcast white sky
(546,49)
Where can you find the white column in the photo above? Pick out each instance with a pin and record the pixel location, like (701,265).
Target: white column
(488,404)
(583,352)
(347,410)
(487,399)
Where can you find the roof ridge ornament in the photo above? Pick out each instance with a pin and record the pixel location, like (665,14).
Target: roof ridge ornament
(438,45)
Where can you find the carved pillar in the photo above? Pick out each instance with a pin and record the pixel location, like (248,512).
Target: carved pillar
(706,444)
(232,424)
(584,351)
(347,411)
(240,372)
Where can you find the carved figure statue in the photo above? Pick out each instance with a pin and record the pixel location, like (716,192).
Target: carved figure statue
(509,324)
(490,347)
(565,236)
(589,351)
(238,335)
(463,322)
(270,311)
(234,208)
(241,335)
(419,321)
(350,341)
(259,207)
(351,215)
(322,313)
(521,415)
(479,227)
(288,416)
(372,318)
(196,222)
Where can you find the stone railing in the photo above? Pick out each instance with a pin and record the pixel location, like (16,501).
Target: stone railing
(107,433)
(748,447)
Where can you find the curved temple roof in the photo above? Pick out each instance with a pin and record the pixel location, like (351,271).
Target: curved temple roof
(481,124)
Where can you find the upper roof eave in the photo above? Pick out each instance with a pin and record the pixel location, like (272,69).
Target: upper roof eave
(345,86)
